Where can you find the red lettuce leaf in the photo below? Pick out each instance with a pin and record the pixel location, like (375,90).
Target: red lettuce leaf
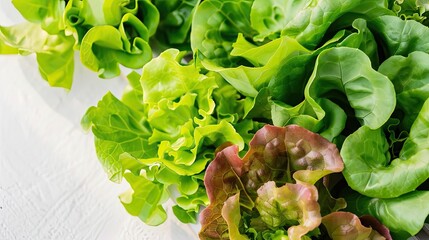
(347,226)
(288,155)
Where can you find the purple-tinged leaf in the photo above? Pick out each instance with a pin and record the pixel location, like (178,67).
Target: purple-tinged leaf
(347,226)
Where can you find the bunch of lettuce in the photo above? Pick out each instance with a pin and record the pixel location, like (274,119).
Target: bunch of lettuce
(164,132)
(353,73)
(356,74)
(106,33)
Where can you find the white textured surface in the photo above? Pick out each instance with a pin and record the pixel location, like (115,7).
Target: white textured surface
(51,184)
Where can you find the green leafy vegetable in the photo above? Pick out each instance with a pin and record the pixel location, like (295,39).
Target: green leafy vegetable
(398,214)
(368,168)
(55,54)
(168,137)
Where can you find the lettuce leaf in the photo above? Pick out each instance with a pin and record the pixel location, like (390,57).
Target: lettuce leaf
(175,23)
(410,77)
(346,225)
(293,205)
(103,48)
(55,54)
(168,137)
(342,76)
(215,28)
(290,157)
(398,214)
(44,12)
(369,170)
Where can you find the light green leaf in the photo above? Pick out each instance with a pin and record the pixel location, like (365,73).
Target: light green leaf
(249,80)
(47,13)
(231,214)
(55,54)
(145,199)
(117,130)
(292,205)
(104,47)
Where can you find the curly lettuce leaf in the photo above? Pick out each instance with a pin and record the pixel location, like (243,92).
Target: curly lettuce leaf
(411,9)
(175,23)
(292,205)
(117,130)
(267,59)
(103,48)
(369,170)
(346,225)
(55,55)
(170,136)
(166,72)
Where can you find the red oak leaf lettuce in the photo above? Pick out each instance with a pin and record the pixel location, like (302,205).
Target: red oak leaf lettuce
(271,188)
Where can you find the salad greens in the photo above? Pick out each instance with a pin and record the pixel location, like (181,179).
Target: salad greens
(262,119)
(106,33)
(166,132)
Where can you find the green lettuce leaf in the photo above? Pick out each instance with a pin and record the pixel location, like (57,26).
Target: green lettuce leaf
(369,170)
(44,12)
(175,23)
(293,205)
(411,9)
(55,55)
(348,71)
(410,76)
(215,28)
(168,137)
(267,59)
(6,49)
(145,199)
(344,77)
(400,37)
(103,48)
(399,214)
(305,21)
(117,130)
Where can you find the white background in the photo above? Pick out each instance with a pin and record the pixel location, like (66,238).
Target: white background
(51,183)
